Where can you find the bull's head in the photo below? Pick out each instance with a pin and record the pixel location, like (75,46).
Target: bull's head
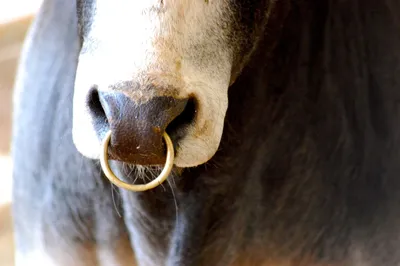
(151,66)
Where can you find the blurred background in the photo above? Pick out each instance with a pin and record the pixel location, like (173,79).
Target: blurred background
(15,19)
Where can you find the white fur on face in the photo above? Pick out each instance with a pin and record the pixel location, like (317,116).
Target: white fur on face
(181,46)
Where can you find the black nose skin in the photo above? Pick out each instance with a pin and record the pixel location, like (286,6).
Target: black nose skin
(137,128)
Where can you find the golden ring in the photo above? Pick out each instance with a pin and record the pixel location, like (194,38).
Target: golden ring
(142,187)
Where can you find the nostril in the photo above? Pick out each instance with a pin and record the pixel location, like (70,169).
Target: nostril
(177,128)
(97,111)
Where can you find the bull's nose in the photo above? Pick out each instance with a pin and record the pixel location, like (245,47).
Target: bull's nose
(137,128)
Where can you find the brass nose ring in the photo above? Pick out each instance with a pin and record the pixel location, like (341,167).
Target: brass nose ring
(133,187)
